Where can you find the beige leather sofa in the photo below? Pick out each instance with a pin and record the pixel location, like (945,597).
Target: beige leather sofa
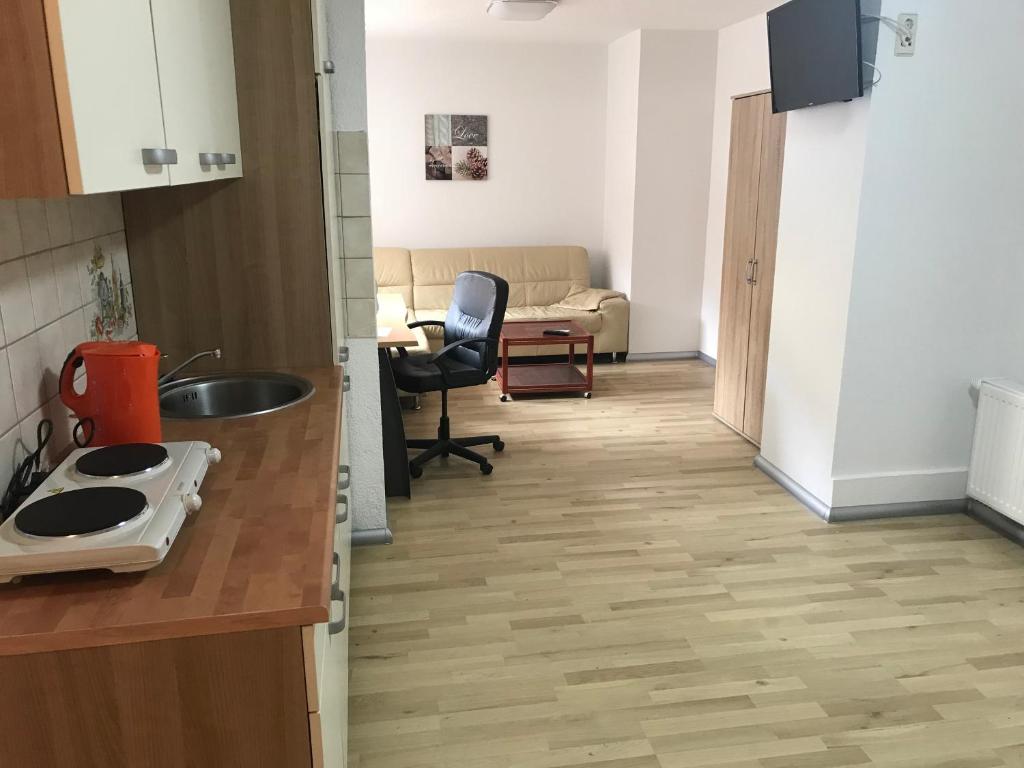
(545,283)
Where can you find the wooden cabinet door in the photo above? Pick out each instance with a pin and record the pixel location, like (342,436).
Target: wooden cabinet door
(328,166)
(773,145)
(740,234)
(197,83)
(31,160)
(107,91)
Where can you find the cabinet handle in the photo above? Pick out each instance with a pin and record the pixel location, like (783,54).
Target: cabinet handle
(342,354)
(346,383)
(338,596)
(344,477)
(341,517)
(753,272)
(228,158)
(157,156)
(328,67)
(209,158)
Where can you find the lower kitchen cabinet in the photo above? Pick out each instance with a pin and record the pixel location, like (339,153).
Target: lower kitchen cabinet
(254,688)
(325,656)
(269,697)
(226,699)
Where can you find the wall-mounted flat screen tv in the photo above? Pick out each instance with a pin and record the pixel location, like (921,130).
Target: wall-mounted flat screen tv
(816,53)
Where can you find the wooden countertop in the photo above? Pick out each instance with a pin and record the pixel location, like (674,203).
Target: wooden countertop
(256,556)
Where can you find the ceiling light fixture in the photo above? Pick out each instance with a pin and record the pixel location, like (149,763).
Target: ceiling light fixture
(521,10)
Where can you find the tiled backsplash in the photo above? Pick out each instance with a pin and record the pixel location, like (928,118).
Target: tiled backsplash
(64,279)
(353,179)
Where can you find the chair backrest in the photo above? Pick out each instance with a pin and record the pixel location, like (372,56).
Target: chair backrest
(477,309)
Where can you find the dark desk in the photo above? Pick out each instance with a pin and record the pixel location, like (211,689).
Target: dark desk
(396,457)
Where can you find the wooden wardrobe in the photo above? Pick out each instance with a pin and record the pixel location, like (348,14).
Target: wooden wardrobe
(748,265)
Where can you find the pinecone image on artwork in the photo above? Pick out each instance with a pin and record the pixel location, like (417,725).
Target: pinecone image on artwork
(474,166)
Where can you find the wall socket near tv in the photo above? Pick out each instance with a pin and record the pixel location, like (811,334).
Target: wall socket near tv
(906,34)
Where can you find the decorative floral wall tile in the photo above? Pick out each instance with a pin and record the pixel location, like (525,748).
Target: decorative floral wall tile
(111,307)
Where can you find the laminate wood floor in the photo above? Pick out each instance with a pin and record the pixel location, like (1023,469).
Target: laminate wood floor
(626,591)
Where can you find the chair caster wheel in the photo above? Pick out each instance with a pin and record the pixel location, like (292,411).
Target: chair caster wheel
(504,398)
(415,471)
(486,469)
(586,395)
(499,447)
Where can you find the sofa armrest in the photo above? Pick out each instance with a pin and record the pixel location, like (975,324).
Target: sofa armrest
(588,299)
(618,298)
(614,313)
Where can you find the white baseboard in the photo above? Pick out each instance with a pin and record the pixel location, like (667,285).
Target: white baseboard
(900,487)
(801,494)
(837,513)
(636,357)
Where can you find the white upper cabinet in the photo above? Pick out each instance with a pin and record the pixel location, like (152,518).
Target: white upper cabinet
(197,85)
(144,91)
(108,93)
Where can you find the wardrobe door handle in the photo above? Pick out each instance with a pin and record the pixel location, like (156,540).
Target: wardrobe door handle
(209,158)
(338,596)
(753,272)
(345,471)
(228,158)
(342,354)
(341,517)
(159,156)
(346,383)
(748,273)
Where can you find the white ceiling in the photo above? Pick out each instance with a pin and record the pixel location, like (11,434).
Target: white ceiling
(574,20)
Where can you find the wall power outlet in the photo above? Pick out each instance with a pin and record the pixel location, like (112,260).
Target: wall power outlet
(906,36)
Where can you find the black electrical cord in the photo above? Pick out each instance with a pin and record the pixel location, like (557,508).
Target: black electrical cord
(27,477)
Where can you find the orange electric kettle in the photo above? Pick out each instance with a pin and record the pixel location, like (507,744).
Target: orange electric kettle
(120,401)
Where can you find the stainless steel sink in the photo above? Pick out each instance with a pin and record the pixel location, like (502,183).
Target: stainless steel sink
(228,396)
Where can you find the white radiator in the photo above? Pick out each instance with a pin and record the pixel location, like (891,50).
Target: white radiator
(996,476)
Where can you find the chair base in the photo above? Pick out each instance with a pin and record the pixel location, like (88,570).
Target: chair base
(445,445)
(453,447)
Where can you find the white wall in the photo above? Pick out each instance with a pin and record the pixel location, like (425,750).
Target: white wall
(622,105)
(346,36)
(673,165)
(936,299)
(821,187)
(546,105)
(362,404)
(742,68)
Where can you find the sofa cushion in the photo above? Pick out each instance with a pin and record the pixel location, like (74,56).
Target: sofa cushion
(537,276)
(392,271)
(590,321)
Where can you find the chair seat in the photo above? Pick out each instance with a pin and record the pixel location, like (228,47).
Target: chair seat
(415,374)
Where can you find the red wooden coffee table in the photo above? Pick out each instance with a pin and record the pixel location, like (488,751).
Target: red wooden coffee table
(544,377)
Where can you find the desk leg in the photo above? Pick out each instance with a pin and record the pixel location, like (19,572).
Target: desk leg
(590,366)
(396,457)
(504,370)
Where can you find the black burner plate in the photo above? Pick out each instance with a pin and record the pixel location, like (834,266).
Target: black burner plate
(121,460)
(82,511)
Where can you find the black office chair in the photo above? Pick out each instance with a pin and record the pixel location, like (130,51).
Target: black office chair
(468,358)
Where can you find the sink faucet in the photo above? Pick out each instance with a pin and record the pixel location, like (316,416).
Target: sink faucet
(215,353)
